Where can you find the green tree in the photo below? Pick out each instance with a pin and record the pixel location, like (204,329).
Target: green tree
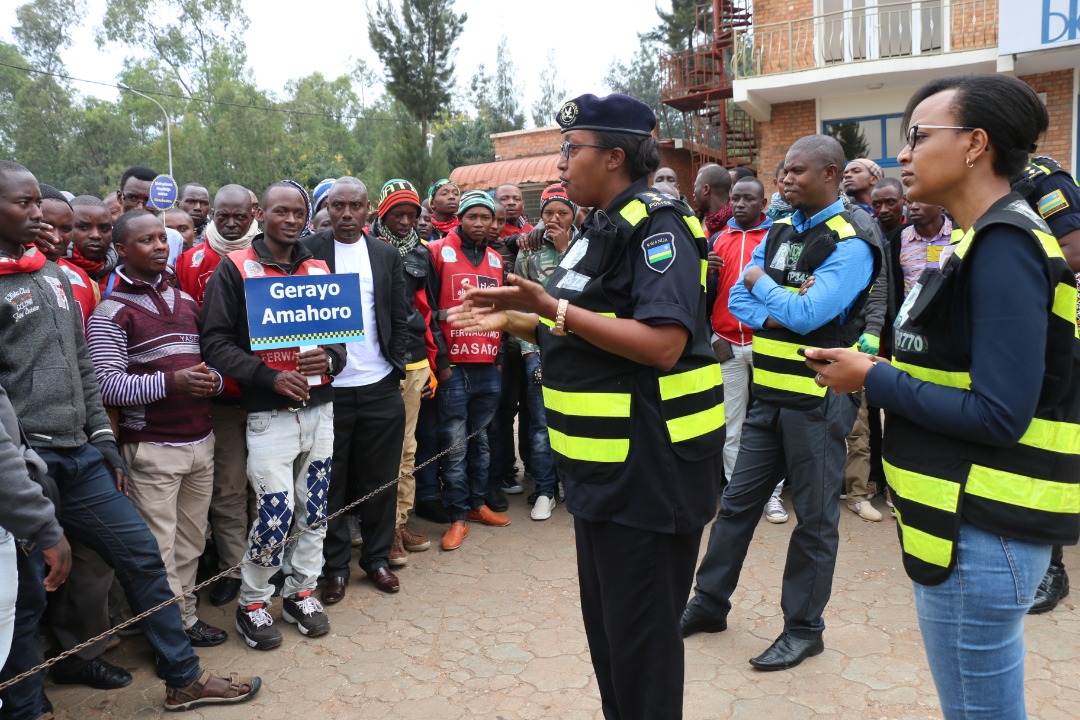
(11,82)
(405,153)
(44,30)
(416,48)
(677,28)
(502,105)
(552,94)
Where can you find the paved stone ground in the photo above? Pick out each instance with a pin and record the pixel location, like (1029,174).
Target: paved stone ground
(494,631)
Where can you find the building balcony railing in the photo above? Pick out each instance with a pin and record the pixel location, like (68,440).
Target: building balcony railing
(873,32)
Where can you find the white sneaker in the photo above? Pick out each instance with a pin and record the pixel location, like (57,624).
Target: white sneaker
(865,510)
(774,511)
(543,507)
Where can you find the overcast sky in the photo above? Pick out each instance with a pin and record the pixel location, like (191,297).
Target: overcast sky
(291,39)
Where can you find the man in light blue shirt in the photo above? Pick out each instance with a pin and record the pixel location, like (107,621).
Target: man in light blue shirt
(805,285)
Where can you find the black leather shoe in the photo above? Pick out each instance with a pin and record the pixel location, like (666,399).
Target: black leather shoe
(385,580)
(224,591)
(496,500)
(333,590)
(432,510)
(695,620)
(1054,587)
(787,652)
(98,674)
(202,635)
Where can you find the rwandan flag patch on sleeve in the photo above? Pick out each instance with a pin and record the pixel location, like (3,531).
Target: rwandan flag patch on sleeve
(659,251)
(1052,203)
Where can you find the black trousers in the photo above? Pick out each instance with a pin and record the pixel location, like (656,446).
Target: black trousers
(512,403)
(634,585)
(369,428)
(807,447)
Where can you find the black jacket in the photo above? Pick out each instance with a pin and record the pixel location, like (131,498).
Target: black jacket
(226,344)
(391,305)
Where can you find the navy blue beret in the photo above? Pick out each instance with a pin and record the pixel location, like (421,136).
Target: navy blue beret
(614,113)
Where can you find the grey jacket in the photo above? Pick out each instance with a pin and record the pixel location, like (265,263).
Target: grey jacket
(877,301)
(25,512)
(44,363)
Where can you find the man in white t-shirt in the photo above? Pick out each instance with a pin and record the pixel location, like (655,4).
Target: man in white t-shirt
(369,414)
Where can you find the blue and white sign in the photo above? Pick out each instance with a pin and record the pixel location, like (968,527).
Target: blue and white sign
(163,192)
(303,310)
(1031,25)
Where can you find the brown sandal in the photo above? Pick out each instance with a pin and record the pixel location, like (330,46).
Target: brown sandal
(209,690)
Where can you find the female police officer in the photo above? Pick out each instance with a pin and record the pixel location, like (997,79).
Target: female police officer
(633,398)
(980,447)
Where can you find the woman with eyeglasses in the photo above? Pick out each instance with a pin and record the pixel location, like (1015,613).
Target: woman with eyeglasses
(632,398)
(982,436)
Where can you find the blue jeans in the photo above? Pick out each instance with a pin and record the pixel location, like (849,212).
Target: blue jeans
(23,700)
(467,403)
(973,625)
(541,464)
(93,512)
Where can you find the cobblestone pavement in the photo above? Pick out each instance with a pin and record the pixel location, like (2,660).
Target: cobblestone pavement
(494,631)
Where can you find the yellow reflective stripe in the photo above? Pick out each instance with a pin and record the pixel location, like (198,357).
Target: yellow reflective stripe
(782,221)
(589,449)
(1052,435)
(1065,302)
(790,383)
(777,348)
(695,226)
(634,212)
(1023,491)
(551,323)
(928,548)
(694,425)
(923,489)
(961,380)
(841,226)
(704,271)
(1049,244)
(690,382)
(964,241)
(588,404)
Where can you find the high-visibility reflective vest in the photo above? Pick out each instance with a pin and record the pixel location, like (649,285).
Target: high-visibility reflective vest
(248,263)
(596,401)
(1029,491)
(781,376)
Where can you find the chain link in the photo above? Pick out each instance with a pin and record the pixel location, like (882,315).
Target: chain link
(263,555)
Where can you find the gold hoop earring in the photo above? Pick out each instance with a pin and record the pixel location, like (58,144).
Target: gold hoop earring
(967,161)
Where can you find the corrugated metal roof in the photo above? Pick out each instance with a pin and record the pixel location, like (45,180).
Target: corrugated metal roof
(486,176)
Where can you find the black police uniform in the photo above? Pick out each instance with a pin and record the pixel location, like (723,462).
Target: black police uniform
(639,449)
(1053,193)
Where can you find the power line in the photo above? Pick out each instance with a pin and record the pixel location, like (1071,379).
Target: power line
(208,101)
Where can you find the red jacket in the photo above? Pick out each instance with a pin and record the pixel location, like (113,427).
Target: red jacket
(734,246)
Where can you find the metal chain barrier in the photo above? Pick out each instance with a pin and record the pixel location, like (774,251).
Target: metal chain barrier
(264,554)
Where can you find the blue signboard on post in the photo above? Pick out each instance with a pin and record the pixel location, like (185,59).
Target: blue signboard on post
(162,192)
(303,310)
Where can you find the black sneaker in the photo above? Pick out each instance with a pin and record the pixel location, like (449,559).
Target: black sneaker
(511,486)
(256,626)
(304,611)
(432,510)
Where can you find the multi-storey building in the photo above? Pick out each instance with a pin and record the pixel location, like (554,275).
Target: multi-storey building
(848,67)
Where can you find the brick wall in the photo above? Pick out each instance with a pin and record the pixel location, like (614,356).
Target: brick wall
(783,48)
(526,143)
(1058,86)
(790,121)
(680,162)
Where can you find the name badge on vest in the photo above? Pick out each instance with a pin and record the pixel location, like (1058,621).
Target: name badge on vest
(659,251)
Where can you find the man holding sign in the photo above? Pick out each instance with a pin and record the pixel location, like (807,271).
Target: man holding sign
(272,350)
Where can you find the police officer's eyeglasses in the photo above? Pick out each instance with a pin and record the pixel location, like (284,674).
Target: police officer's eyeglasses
(913,136)
(567,146)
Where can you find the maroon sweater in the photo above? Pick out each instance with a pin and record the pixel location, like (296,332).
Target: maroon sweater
(138,338)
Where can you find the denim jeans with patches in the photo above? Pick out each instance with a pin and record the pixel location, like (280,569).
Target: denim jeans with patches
(289,456)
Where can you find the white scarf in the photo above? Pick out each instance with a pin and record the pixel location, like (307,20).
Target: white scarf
(222,246)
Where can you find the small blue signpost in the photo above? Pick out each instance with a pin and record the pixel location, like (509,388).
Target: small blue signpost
(163,192)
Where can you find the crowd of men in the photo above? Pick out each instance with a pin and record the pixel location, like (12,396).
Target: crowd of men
(129,385)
